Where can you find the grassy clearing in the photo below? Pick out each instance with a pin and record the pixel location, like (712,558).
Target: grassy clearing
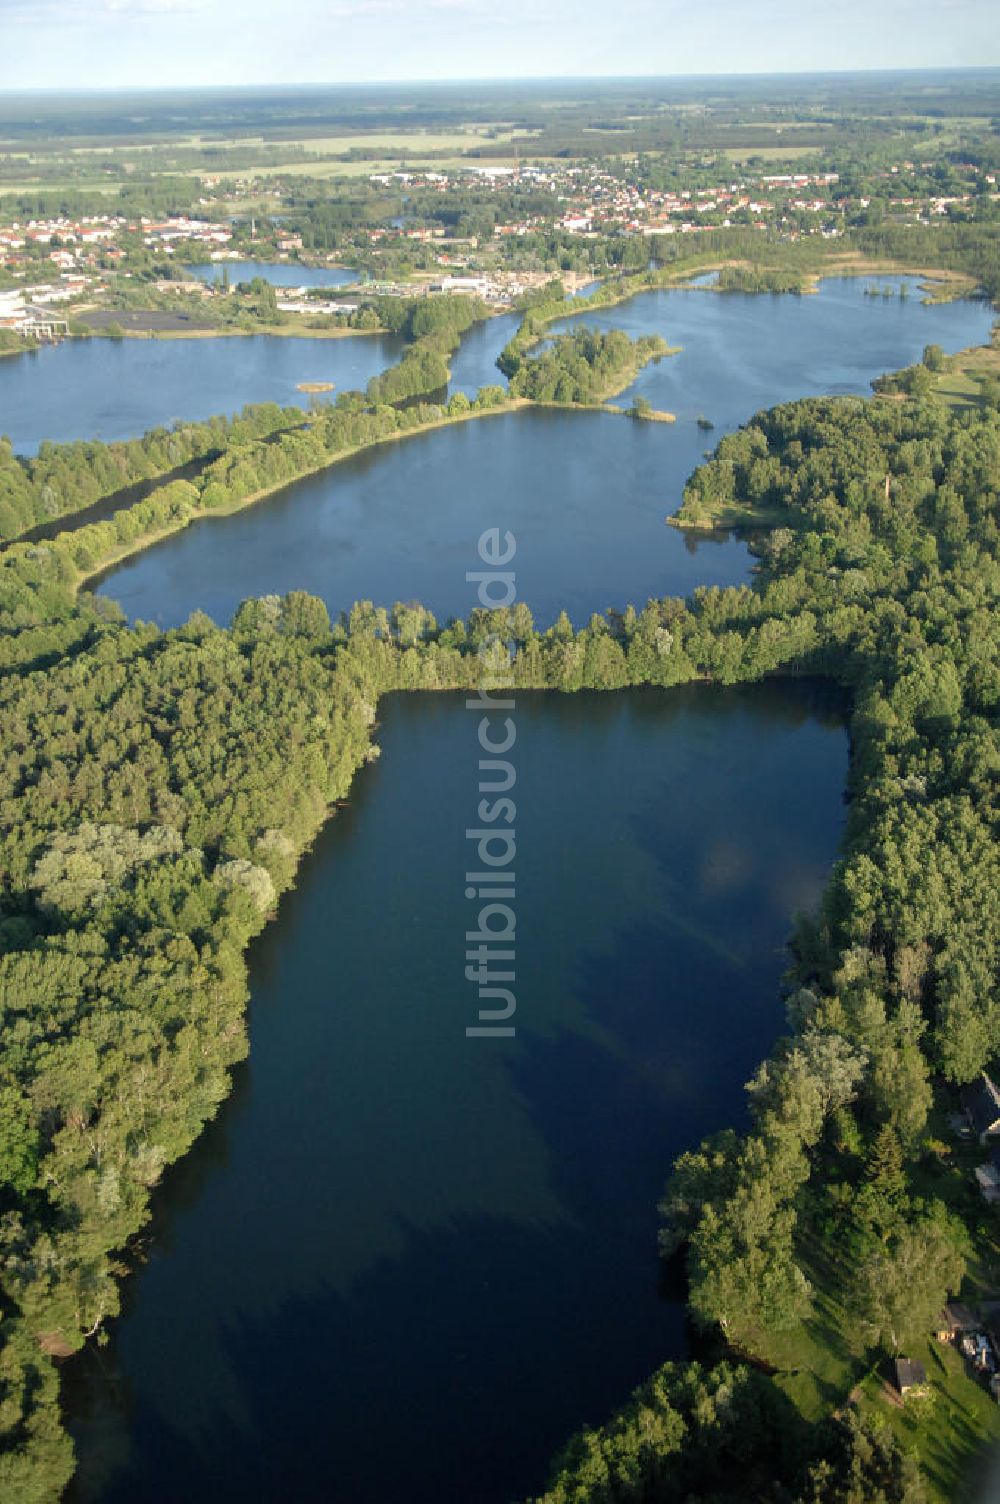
(960,386)
(768,153)
(62,185)
(326,153)
(297,327)
(823,1362)
(457,140)
(819,1360)
(334,168)
(323,161)
(734,516)
(823,1366)
(949,1430)
(655,415)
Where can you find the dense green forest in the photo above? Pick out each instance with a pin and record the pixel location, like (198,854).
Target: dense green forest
(435,327)
(65,478)
(15,344)
(585,366)
(245,470)
(729,1431)
(760,279)
(548,303)
(841,1197)
(159,788)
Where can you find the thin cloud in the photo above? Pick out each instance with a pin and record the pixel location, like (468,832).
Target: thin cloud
(344,10)
(90,12)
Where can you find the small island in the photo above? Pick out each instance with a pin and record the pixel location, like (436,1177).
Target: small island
(586,367)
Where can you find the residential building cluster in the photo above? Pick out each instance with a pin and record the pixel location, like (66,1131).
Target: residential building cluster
(167,232)
(31,318)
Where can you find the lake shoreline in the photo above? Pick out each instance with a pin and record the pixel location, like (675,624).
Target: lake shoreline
(941,285)
(266,331)
(231,509)
(737,520)
(395,705)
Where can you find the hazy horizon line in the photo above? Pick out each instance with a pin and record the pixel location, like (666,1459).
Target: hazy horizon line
(518,81)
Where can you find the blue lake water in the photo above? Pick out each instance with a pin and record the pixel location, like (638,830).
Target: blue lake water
(118,389)
(743,352)
(403,1264)
(278,273)
(388,1228)
(585,494)
(474,364)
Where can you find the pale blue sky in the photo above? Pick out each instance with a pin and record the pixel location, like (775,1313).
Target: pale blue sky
(53,43)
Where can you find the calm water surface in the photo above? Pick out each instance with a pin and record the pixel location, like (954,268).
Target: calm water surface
(117,389)
(743,352)
(474,363)
(278,273)
(403,1264)
(585,494)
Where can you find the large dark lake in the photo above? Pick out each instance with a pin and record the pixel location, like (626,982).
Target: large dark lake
(404,1264)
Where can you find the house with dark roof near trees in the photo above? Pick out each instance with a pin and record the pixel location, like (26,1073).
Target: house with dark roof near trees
(981,1104)
(988,1177)
(911,1377)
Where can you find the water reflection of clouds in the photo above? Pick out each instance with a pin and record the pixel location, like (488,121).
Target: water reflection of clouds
(726,867)
(797,887)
